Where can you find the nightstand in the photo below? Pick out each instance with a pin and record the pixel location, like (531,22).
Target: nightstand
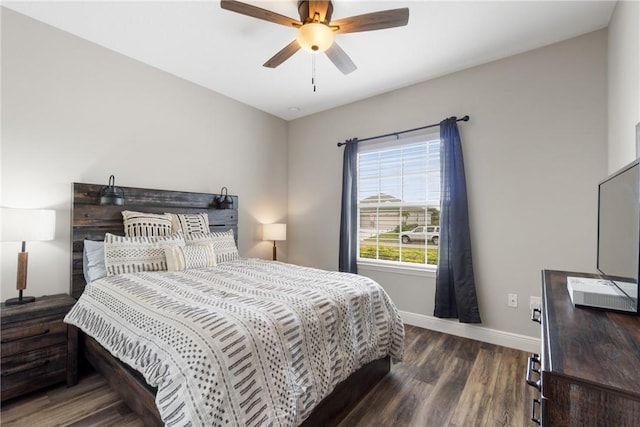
(37,348)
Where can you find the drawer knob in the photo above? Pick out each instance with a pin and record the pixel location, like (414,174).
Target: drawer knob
(536,420)
(536,314)
(534,360)
(8,340)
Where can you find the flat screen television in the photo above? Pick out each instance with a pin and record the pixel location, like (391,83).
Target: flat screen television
(618,254)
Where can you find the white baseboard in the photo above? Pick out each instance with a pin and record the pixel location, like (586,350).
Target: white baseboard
(474,332)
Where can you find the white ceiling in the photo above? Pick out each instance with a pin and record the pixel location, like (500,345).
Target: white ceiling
(224,51)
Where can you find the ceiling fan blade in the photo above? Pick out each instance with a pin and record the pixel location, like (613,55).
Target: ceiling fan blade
(372,21)
(340,59)
(321,7)
(257,12)
(284,54)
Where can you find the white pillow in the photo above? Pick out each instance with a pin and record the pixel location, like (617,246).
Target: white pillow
(223,243)
(133,254)
(187,257)
(93,265)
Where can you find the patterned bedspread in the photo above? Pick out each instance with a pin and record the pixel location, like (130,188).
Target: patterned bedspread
(249,342)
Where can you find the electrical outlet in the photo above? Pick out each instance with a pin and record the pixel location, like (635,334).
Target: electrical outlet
(535,302)
(512,300)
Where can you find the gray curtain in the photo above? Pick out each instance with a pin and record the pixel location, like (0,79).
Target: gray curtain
(348,216)
(455,283)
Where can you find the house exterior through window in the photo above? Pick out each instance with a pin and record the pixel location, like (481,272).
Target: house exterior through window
(399,201)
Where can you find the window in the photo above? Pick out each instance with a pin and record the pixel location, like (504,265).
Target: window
(399,201)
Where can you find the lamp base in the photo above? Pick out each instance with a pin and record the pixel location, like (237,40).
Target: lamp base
(17,301)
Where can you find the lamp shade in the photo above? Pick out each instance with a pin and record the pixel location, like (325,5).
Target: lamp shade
(27,225)
(315,37)
(274,232)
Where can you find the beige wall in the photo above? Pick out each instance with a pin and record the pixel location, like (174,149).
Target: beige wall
(535,148)
(624,83)
(75,112)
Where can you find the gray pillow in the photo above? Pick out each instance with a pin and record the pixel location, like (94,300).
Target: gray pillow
(93,265)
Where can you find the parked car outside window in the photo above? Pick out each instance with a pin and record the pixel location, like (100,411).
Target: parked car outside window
(429,233)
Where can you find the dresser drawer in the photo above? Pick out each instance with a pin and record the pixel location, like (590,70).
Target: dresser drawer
(19,340)
(33,369)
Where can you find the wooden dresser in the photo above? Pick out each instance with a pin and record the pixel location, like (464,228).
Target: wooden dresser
(588,372)
(38,349)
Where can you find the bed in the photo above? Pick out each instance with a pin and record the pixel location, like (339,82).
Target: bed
(285,345)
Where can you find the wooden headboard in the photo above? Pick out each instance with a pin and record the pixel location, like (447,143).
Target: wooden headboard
(90,220)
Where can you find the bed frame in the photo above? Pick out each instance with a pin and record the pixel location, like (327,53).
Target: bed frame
(90,220)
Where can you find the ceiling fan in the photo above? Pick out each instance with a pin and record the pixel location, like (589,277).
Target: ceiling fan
(315,30)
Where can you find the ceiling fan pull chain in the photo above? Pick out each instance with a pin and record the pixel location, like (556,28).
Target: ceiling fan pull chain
(313,71)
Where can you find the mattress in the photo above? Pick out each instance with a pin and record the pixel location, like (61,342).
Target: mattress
(247,343)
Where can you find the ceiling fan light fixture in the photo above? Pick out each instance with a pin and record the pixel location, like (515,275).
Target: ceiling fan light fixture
(315,37)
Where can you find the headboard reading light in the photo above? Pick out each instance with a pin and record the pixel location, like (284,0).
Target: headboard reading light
(224,201)
(112,195)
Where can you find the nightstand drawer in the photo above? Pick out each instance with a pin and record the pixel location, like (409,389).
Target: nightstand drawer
(19,340)
(49,358)
(33,370)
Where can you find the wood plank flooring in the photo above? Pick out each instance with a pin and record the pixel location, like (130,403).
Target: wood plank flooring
(444,381)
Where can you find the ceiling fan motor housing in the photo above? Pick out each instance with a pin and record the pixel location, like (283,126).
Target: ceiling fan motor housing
(303,11)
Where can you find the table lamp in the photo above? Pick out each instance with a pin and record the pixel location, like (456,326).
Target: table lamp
(22,225)
(274,232)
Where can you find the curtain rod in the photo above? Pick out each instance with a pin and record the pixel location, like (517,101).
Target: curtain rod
(397,134)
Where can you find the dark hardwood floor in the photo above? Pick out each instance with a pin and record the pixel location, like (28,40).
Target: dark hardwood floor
(443,381)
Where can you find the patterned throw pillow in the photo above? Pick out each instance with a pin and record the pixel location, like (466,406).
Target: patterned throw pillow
(141,224)
(190,223)
(133,254)
(223,243)
(187,257)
